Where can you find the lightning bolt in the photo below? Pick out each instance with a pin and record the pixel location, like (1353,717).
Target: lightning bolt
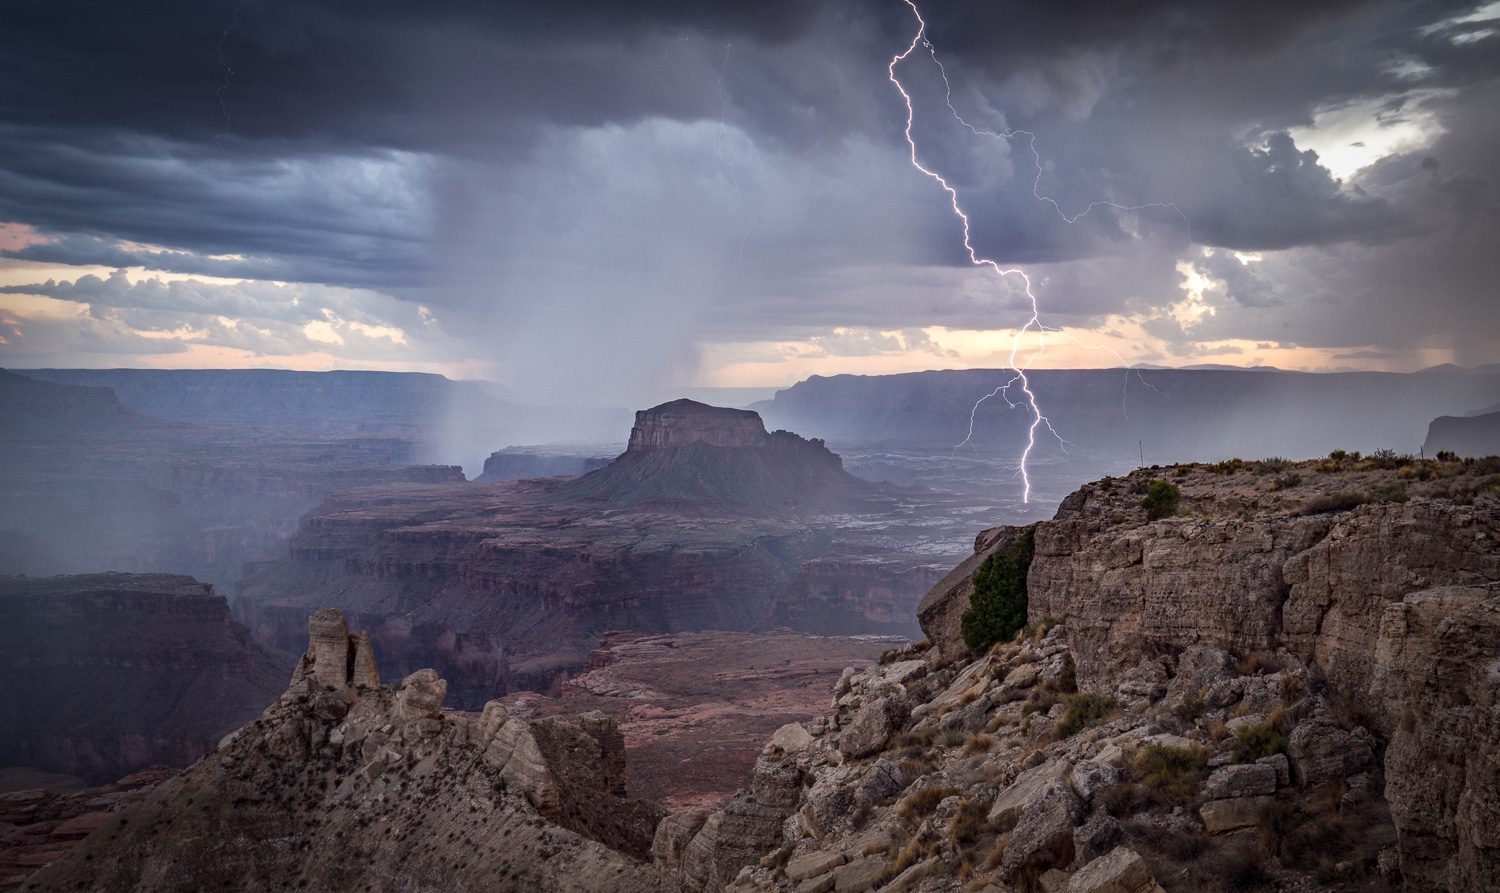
(234,23)
(1018,368)
(1036,158)
(1029,398)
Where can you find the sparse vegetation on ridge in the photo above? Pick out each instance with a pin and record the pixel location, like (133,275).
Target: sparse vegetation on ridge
(1161,499)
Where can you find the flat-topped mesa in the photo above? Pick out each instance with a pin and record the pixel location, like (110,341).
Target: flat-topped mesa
(682,422)
(688,457)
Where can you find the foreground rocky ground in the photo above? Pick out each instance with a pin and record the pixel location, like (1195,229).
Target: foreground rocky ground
(347,784)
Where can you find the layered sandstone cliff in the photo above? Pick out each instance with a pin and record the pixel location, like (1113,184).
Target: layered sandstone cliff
(108,673)
(343,784)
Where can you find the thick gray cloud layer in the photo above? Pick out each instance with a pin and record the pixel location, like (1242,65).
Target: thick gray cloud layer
(588,186)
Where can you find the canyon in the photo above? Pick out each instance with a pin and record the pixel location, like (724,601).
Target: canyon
(707,521)
(1281,677)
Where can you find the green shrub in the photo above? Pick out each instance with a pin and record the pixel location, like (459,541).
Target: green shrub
(1161,499)
(997,607)
(1084,710)
(1260,740)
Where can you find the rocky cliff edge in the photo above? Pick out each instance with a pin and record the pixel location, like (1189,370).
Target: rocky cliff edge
(1287,682)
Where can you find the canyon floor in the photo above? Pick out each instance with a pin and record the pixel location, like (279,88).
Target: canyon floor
(695,706)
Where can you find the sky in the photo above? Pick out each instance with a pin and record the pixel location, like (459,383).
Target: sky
(590,201)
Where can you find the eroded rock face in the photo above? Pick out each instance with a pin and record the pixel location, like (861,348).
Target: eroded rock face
(108,673)
(1317,584)
(296,798)
(1438,664)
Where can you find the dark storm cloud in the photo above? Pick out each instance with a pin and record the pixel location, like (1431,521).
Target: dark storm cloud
(351,219)
(737,169)
(385,73)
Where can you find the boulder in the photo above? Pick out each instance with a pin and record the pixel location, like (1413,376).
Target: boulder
(1090,777)
(422,694)
(1223,816)
(1243,780)
(791,738)
(1280,765)
(1096,836)
(1122,870)
(1321,751)
(860,875)
(1006,810)
(913,875)
(873,726)
(1199,668)
(1043,836)
(813,864)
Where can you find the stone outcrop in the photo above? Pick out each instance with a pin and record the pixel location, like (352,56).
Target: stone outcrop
(706,851)
(339,786)
(337,660)
(1438,670)
(108,673)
